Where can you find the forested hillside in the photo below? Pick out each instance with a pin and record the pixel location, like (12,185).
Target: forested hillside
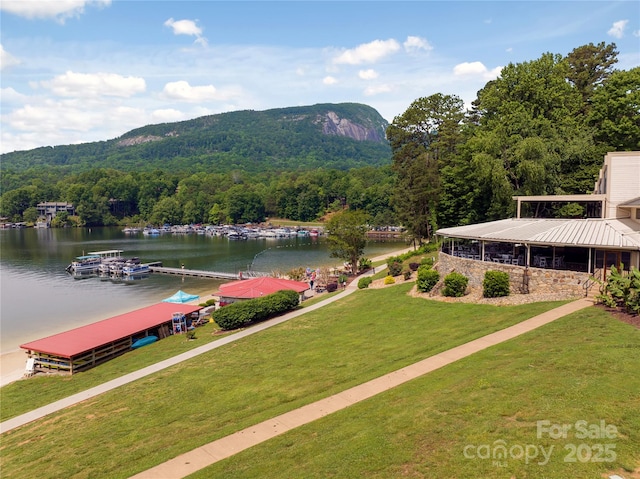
(341,136)
(542,127)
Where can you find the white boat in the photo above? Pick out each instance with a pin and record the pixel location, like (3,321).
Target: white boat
(85,263)
(92,260)
(131,269)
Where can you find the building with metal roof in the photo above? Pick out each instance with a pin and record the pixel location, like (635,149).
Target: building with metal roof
(87,346)
(591,245)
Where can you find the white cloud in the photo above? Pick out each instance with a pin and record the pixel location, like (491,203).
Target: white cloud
(369,74)
(476,69)
(6,59)
(83,85)
(183,91)
(167,115)
(368,52)
(412,44)
(58,10)
(617,29)
(9,95)
(377,89)
(329,80)
(186,27)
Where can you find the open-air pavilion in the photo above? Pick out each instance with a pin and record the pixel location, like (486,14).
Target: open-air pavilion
(607,235)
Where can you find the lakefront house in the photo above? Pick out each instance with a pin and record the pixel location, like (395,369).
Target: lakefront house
(544,254)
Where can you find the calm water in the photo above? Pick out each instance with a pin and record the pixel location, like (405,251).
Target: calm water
(38,297)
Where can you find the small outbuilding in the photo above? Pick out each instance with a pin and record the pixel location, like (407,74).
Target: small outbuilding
(257,287)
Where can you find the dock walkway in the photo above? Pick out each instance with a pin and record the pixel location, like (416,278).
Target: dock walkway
(205,274)
(193,272)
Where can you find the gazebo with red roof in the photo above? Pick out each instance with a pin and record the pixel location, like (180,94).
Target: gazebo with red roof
(257,287)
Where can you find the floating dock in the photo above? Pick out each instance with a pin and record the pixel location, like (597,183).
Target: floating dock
(205,274)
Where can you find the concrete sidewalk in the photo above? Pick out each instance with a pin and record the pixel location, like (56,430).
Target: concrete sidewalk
(43,411)
(201,457)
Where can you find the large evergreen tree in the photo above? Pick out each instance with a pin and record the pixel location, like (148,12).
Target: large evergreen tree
(422,139)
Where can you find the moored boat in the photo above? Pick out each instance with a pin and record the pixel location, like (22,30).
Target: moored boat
(130,269)
(92,261)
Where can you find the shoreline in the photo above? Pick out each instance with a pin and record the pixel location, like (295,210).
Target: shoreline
(13,361)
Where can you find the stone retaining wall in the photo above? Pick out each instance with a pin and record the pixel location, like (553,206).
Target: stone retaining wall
(541,281)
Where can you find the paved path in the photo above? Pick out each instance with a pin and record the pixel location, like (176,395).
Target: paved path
(43,411)
(201,457)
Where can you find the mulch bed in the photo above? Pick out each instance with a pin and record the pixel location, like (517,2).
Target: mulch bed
(620,315)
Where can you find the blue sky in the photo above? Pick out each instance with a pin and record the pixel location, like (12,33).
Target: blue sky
(74,71)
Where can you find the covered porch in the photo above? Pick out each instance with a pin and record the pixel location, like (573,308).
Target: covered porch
(589,246)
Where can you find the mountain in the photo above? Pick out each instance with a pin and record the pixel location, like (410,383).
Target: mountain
(342,136)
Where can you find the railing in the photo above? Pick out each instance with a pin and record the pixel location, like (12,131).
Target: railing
(587,285)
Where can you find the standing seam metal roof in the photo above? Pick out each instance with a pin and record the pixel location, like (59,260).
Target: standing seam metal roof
(612,233)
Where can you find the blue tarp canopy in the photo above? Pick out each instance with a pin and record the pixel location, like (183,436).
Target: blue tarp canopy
(181,297)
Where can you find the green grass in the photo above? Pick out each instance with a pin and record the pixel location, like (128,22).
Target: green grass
(23,396)
(141,424)
(583,367)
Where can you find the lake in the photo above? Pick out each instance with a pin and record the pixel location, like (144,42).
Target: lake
(39,298)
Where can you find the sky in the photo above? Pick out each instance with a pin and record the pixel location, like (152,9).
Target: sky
(76,71)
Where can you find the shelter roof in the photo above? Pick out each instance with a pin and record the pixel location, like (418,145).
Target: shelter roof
(633,202)
(610,233)
(85,338)
(256,287)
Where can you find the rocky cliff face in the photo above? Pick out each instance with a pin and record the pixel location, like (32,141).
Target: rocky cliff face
(332,124)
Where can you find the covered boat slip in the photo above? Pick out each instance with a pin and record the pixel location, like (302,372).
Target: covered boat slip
(87,346)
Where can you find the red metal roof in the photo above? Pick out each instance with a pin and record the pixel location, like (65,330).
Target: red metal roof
(256,287)
(85,338)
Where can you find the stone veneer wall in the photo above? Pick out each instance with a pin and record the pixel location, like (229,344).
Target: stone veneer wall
(541,281)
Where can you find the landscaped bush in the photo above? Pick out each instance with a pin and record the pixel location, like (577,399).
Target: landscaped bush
(209,302)
(427,278)
(364,264)
(395,267)
(255,310)
(622,291)
(495,284)
(407,275)
(427,261)
(455,284)
(331,287)
(364,282)
(414,266)
(389,280)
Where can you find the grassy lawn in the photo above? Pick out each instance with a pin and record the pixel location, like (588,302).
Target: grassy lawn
(310,357)
(447,424)
(23,396)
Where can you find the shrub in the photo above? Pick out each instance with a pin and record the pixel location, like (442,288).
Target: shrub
(427,278)
(495,284)
(622,290)
(364,282)
(407,275)
(389,280)
(395,267)
(255,310)
(455,284)
(414,266)
(427,261)
(364,264)
(331,287)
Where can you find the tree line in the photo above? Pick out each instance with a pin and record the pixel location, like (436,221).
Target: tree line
(542,127)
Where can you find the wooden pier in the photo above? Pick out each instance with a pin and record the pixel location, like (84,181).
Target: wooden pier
(205,274)
(193,272)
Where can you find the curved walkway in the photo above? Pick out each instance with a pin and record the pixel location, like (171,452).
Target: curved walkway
(43,411)
(201,457)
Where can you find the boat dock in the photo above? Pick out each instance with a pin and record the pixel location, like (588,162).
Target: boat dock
(155,268)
